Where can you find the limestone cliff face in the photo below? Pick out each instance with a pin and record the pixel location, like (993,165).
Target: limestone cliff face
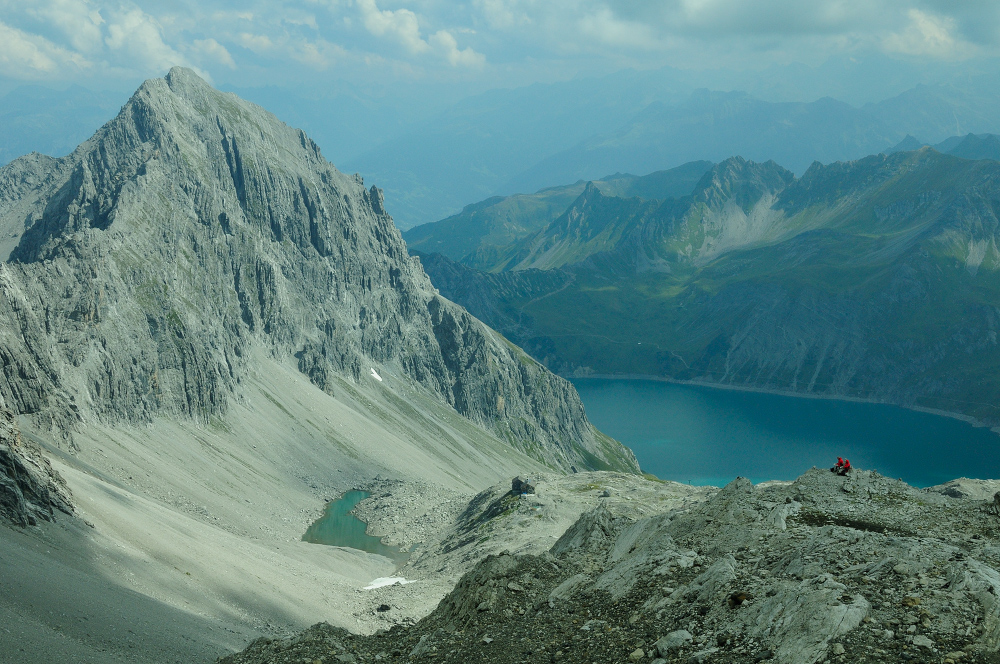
(30,490)
(194,228)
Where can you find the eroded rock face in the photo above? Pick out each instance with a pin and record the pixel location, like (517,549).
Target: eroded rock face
(30,490)
(195,228)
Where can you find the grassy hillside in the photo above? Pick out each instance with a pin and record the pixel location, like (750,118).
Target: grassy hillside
(876,279)
(486,235)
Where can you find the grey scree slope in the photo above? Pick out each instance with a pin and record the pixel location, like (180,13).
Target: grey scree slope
(149,266)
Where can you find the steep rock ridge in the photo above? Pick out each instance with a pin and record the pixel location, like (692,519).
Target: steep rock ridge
(826,568)
(730,207)
(194,227)
(30,490)
(969,146)
(592,224)
(494,297)
(871,279)
(483,234)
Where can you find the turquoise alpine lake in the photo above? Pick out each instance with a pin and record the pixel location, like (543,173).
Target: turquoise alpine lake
(704,435)
(338,527)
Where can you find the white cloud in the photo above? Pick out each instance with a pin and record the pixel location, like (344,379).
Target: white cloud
(27,56)
(604,26)
(231,15)
(309,53)
(256,43)
(79,21)
(319,54)
(306,20)
(136,36)
(403,26)
(400,24)
(212,50)
(926,34)
(501,15)
(128,38)
(446,44)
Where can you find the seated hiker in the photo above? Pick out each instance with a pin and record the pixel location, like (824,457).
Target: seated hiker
(840,464)
(846,468)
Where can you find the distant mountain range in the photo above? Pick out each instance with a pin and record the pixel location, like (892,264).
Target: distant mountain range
(471,150)
(875,279)
(970,146)
(484,233)
(483,150)
(437,151)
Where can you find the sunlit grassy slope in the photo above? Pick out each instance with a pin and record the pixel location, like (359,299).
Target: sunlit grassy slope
(487,235)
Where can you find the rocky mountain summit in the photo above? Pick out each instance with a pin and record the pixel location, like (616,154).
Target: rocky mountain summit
(144,270)
(823,569)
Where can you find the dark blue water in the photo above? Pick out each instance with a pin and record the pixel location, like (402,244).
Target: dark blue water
(703,435)
(338,527)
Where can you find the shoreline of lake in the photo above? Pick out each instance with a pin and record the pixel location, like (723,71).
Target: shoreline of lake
(697,433)
(340,526)
(979,424)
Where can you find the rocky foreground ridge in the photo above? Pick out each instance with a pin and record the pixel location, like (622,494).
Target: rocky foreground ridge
(143,271)
(823,569)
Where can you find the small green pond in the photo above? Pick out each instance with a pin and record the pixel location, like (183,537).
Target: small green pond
(338,527)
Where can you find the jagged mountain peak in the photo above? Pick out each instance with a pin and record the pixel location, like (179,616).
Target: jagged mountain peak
(185,82)
(590,196)
(908,144)
(182,96)
(825,184)
(195,228)
(741,181)
(180,130)
(592,224)
(986,146)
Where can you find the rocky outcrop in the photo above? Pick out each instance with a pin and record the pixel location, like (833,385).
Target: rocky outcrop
(195,229)
(861,568)
(30,490)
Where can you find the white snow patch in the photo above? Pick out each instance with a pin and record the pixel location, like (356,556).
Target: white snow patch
(376,376)
(384,581)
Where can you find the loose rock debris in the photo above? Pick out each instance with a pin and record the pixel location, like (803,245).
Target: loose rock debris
(828,568)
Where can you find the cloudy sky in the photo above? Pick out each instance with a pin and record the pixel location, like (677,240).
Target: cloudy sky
(479,43)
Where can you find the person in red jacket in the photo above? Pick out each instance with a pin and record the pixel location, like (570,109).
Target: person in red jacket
(843,466)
